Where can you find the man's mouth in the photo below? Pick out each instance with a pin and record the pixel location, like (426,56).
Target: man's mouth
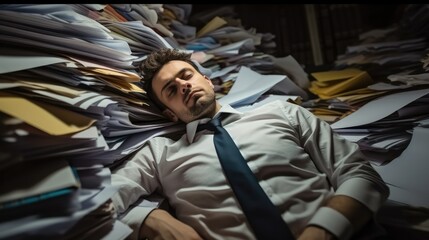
(188,96)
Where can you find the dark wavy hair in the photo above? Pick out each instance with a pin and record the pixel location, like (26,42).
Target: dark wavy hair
(154,62)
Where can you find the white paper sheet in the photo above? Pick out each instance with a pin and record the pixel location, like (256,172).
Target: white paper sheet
(249,86)
(379,108)
(409,171)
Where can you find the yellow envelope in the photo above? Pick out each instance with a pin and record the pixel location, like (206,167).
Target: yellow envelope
(48,118)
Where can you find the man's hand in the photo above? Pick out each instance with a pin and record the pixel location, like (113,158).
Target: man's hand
(315,233)
(160,225)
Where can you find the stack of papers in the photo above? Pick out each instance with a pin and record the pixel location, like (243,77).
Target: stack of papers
(383,127)
(38,189)
(331,83)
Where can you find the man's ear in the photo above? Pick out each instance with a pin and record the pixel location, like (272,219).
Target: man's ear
(170,115)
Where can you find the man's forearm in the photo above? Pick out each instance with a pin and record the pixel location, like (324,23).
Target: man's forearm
(342,216)
(357,213)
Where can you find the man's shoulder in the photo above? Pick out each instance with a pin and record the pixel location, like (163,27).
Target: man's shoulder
(280,109)
(278,104)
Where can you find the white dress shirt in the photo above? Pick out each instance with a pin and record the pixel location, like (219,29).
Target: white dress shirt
(299,161)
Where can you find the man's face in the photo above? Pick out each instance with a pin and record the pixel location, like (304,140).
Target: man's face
(186,93)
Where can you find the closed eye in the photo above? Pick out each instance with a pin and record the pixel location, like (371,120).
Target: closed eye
(171,91)
(187,75)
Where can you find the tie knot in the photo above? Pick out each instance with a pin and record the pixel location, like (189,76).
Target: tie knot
(215,122)
(211,125)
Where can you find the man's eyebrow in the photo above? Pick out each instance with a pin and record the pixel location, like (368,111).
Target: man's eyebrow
(172,79)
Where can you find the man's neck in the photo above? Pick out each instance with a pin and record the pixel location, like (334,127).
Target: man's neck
(217,108)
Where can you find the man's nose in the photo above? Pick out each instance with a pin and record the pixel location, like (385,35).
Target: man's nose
(184,85)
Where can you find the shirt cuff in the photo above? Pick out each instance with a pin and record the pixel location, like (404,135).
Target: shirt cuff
(334,222)
(134,219)
(355,187)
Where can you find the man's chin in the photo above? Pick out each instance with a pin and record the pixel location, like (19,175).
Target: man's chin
(202,108)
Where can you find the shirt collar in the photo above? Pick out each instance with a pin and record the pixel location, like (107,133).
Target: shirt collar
(191,127)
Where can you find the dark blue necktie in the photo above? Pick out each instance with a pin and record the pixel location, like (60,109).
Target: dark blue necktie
(261,213)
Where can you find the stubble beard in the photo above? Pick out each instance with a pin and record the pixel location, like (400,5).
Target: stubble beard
(203,106)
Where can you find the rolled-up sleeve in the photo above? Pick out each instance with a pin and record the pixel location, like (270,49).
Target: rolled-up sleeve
(347,170)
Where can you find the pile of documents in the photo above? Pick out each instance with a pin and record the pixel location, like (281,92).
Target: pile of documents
(69,107)
(383,127)
(339,92)
(392,126)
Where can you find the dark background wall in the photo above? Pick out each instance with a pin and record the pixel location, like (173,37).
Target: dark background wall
(339,25)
